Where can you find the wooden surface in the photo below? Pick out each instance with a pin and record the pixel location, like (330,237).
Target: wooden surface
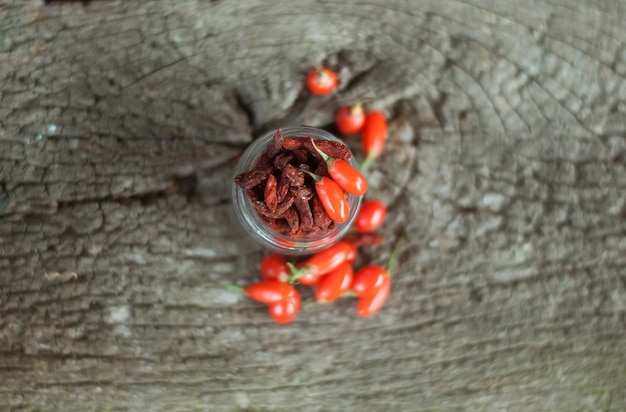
(504,170)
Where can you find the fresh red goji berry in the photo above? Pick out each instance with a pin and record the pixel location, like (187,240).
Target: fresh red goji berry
(371,216)
(350,119)
(309,279)
(347,177)
(353,253)
(343,173)
(332,197)
(373,137)
(270,291)
(321,81)
(368,305)
(335,283)
(330,258)
(285,311)
(306,277)
(368,280)
(274,267)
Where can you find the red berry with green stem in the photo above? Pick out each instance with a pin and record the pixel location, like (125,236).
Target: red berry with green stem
(332,197)
(274,267)
(330,258)
(270,291)
(285,311)
(324,261)
(371,216)
(307,275)
(350,119)
(335,283)
(369,305)
(321,81)
(303,275)
(309,279)
(368,280)
(376,288)
(373,137)
(344,174)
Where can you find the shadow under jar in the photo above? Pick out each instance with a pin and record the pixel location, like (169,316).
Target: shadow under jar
(274,232)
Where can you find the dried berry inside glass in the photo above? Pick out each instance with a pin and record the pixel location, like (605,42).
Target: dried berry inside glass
(281,193)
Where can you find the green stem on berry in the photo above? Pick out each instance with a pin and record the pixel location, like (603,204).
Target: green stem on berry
(366,163)
(325,157)
(236,287)
(348,294)
(321,74)
(393,259)
(313,175)
(358,106)
(295,272)
(292,268)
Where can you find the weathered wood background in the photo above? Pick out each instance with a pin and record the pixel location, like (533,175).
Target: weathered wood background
(504,170)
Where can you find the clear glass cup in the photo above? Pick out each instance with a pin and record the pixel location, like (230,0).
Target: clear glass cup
(258,229)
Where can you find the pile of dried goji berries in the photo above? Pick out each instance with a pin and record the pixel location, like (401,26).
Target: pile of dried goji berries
(286,200)
(297,187)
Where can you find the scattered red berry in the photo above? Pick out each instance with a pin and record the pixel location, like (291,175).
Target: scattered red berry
(368,280)
(332,197)
(321,81)
(274,267)
(372,284)
(373,137)
(285,311)
(344,174)
(368,305)
(335,283)
(371,216)
(328,259)
(347,177)
(270,291)
(331,270)
(307,278)
(350,119)
(353,253)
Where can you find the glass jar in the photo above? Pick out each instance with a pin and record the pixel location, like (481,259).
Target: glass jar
(258,229)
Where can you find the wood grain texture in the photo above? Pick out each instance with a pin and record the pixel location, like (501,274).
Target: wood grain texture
(504,171)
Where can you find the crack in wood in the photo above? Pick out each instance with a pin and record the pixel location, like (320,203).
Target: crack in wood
(245,106)
(62,2)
